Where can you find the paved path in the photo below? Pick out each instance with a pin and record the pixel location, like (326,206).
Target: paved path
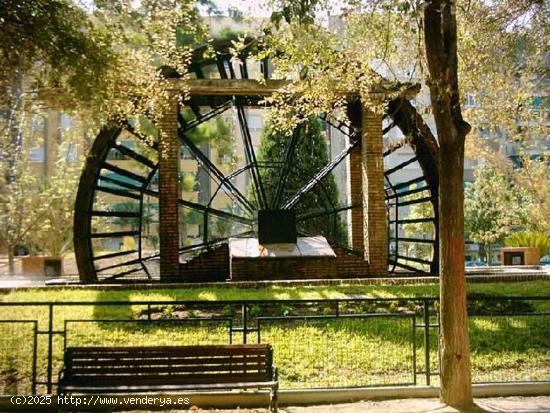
(493,405)
(539,404)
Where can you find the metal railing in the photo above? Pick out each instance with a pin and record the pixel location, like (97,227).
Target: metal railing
(355,342)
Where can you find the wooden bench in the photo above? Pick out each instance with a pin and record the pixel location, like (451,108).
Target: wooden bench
(171,368)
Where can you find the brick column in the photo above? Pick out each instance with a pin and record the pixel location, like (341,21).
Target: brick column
(169,191)
(356,180)
(374,206)
(356,189)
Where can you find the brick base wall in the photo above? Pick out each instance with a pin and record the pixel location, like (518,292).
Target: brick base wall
(350,264)
(211,265)
(216,265)
(256,269)
(347,264)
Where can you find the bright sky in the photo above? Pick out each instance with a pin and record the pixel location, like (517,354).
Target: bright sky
(256,8)
(253,8)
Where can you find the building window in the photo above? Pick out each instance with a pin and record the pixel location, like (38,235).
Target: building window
(255,122)
(38,154)
(71,154)
(470,101)
(38,136)
(65,122)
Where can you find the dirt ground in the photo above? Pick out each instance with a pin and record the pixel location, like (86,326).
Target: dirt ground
(538,404)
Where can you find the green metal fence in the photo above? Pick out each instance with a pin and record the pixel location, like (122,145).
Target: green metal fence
(331,343)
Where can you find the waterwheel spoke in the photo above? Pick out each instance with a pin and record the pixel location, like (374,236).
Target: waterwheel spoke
(119,264)
(124,172)
(203,208)
(115,234)
(401,165)
(215,111)
(134,155)
(342,127)
(419,240)
(251,158)
(314,181)
(407,193)
(214,171)
(114,255)
(122,274)
(143,138)
(413,220)
(197,207)
(202,244)
(289,155)
(408,183)
(398,145)
(406,267)
(117,182)
(324,212)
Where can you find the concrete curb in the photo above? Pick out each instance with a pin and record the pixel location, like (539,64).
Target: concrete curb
(322,396)
(288,397)
(65,284)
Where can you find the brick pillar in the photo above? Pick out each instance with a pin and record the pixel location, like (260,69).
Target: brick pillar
(356,180)
(169,191)
(356,189)
(374,206)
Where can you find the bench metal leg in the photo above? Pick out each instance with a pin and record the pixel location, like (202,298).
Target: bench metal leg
(273,400)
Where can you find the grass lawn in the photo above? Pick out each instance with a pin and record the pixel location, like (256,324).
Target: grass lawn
(541,287)
(325,352)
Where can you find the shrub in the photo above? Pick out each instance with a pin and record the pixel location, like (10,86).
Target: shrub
(188,182)
(529,239)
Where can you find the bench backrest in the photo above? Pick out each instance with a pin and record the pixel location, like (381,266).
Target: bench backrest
(169,364)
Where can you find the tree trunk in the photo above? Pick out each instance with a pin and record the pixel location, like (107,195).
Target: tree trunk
(456,388)
(482,251)
(11,260)
(440,35)
(489,254)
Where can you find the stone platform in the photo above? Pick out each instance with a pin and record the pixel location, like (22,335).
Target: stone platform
(304,247)
(310,257)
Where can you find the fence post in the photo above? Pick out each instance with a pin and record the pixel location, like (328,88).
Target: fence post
(427,340)
(244,321)
(414,346)
(34,357)
(50,348)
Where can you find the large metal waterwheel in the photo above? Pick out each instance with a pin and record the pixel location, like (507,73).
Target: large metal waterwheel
(116,214)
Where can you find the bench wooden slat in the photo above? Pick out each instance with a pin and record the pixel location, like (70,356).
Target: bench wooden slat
(105,379)
(170,369)
(190,350)
(248,346)
(203,361)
